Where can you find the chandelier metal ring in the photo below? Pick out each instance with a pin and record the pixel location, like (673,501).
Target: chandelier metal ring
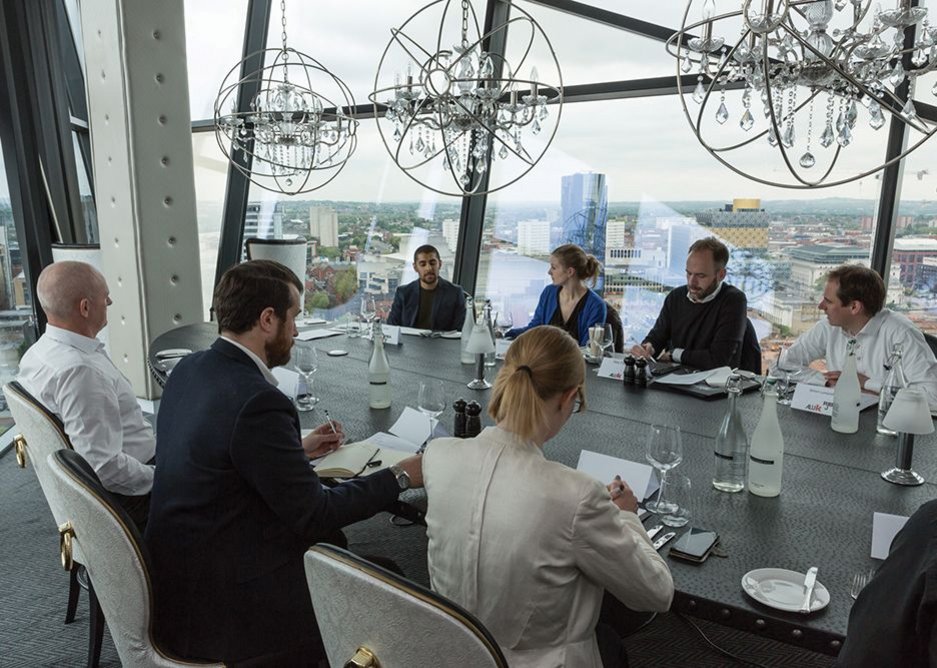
(462,105)
(847,66)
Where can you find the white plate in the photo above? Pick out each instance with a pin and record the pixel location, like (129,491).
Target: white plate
(782,589)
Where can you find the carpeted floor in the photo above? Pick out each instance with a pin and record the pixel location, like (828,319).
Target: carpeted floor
(33,590)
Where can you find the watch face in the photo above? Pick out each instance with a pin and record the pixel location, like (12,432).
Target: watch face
(403,480)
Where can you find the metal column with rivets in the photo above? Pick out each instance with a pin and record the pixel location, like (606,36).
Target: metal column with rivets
(138,104)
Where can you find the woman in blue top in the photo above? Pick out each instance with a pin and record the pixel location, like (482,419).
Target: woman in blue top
(569,304)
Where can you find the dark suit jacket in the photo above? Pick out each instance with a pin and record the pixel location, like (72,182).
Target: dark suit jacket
(448,306)
(234,506)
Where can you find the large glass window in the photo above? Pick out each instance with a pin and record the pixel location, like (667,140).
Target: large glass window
(214,39)
(211,171)
(628,181)
(16,314)
(361,229)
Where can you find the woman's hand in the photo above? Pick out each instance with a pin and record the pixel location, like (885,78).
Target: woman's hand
(323,440)
(622,496)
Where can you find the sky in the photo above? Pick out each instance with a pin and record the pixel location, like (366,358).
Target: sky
(645,146)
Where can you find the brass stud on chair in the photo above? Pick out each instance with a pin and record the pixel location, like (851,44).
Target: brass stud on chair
(66,534)
(19,445)
(363,658)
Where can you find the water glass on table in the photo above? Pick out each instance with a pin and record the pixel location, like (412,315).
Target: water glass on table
(306,362)
(678,495)
(664,451)
(504,323)
(431,400)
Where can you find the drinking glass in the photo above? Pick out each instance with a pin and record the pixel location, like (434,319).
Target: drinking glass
(678,494)
(431,400)
(352,327)
(664,451)
(608,339)
(306,362)
(504,322)
(368,311)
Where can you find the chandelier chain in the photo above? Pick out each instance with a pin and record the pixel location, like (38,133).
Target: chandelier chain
(465,15)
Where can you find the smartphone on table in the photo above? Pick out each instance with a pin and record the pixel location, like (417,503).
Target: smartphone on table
(695,545)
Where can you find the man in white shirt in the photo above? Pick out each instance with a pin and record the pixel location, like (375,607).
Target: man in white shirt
(853,301)
(69,372)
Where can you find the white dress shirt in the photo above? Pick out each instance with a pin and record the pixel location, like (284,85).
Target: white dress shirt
(73,377)
(529,546)
(874,344)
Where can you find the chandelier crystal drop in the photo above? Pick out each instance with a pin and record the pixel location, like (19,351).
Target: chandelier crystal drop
(811,64)
(296,133)
(451,105)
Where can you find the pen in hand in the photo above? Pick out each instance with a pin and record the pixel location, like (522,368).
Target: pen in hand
(331,424)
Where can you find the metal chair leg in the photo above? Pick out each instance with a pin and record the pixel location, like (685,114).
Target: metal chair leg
(96,628)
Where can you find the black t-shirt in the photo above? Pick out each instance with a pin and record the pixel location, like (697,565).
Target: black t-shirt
(424,317)
(571,325)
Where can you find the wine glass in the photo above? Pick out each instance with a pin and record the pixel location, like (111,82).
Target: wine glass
(608,339)
(504,322)
(664,451)
(431,401)
(306,362)
(368,311)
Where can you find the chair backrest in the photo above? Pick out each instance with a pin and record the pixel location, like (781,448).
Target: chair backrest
(360,605)
(289,252)
(751,350)
(40,434)
(612,318)
(114,556)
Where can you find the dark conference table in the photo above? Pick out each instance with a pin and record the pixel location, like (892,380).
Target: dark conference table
(823,517)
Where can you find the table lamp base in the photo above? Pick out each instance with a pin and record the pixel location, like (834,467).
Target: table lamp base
(479,384)
(905,477)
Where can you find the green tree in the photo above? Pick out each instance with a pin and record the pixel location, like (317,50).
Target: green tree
(346,284)
(317,300)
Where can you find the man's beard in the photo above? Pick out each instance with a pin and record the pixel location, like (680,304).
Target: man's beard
(278,350)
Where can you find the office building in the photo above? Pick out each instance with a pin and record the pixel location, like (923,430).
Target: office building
(323,225)
(533,237)
(742,224)
(584,211)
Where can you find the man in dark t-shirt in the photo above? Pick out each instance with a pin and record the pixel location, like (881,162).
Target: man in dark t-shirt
(430,302)
(702,324)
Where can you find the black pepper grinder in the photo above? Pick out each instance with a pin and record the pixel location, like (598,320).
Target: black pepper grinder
(640,372)
(628,376)
(458,429)
(473,421)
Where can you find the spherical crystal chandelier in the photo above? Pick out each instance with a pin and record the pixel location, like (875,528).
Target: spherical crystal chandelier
(297,132)
(451,104)
(813,75)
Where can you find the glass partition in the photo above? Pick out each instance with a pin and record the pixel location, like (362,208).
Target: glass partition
(211,171)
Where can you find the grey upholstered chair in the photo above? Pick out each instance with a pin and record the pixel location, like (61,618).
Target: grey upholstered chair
(367,613)
(40,434)
(115,555)
(289,252)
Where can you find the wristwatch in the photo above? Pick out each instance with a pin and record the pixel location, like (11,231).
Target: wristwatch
(403,478)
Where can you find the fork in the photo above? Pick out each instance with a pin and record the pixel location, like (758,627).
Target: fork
(859,581)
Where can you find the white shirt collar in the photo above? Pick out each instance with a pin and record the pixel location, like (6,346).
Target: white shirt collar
(83,343)
(259,362)
(708,298)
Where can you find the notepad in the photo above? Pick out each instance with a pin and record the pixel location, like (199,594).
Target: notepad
(639,477)
(358,460)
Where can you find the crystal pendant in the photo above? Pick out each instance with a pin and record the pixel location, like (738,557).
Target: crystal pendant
(699,93)
(844,138)
(535,128)
(722,114)
(908,110)
(807,160)
(419,144)
(397,135)
(289,182)
(896,76)
(747,121)
(788,136)
(686,66)
(851,114)
(827,138)
(772,137)
(503,153)
(876,118)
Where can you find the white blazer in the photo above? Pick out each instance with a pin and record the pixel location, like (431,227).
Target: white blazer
(528,546)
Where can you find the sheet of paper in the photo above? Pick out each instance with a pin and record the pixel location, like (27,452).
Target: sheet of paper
(684,378)
(639,477)
(312,334)
(819,399)
(884,529)
(719,377)
(384,440)
(612,368)
(451,335)
(311,321)
(391,335)
(412,426)
(287,380)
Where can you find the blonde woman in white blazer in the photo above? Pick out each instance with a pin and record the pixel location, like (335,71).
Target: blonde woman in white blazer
(528,545)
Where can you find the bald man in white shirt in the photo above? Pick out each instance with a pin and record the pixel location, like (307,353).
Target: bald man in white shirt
(69,372)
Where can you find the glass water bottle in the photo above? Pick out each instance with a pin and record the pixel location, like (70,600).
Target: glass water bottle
(731,444)
(845,417)
(467,326)
(766,459)
(378,370)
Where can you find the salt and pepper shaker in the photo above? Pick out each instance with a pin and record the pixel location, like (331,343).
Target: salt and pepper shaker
(628,376)
(458,429)
(640,372)
(473,422)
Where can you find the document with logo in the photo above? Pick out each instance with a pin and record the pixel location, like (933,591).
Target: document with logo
(819,399)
